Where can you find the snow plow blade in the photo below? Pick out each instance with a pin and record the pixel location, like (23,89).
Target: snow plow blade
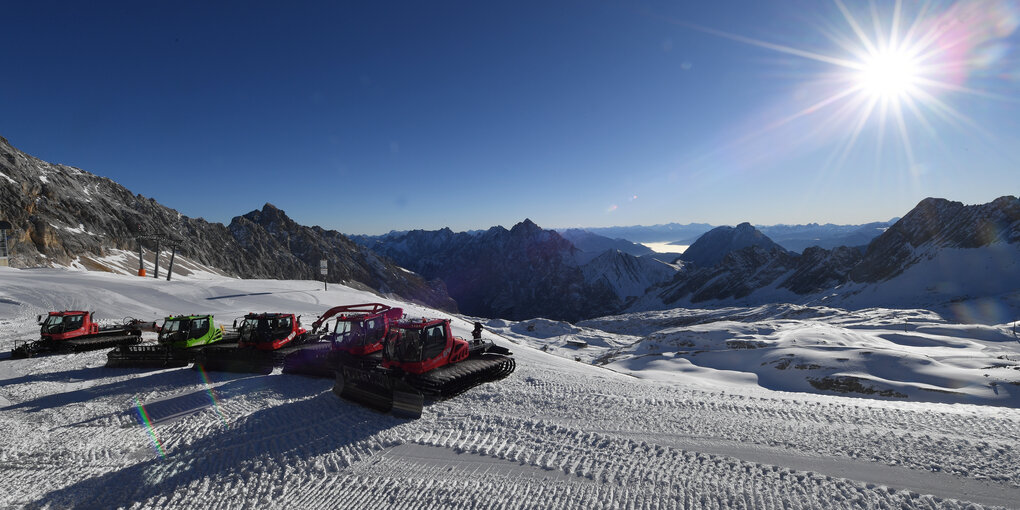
(31,349)
(315,360)
(378,389)
(225,359)
(149,356)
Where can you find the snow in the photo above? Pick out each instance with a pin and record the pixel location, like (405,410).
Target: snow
(967,284)
(5,176)
(654,432)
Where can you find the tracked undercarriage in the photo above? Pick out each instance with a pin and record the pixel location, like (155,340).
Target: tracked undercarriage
(77,331)
(180,340)
(422,360)
(38,347)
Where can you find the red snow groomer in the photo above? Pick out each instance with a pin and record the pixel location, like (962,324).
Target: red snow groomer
(77,331)
(264,340)
(421,358)
(352,331)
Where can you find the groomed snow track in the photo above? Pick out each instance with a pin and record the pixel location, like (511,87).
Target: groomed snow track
(557,434)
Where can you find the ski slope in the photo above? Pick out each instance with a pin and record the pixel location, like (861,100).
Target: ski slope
(555,434)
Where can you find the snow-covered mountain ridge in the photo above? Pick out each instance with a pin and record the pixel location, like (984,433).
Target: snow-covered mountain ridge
(941,255)
(936,224)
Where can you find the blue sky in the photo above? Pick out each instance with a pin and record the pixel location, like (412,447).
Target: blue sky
(371,116)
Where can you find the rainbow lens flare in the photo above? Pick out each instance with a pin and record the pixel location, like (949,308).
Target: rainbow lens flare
(157,444)
(213,400)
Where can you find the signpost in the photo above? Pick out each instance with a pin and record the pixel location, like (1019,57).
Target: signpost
(323,268)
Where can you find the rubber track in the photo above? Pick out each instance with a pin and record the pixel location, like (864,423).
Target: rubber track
(73,346)
(455,379)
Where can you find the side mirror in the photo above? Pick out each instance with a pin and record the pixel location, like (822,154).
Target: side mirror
(38,318)
(235,323)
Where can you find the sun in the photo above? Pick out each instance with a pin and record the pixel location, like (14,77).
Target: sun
(889,75)
(892,69)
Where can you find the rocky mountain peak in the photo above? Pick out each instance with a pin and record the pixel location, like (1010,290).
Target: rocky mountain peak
(526,228)
(270,215)
(715,244)
(934,224)
(516,274)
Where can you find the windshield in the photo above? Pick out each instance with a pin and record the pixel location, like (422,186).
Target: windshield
(411,345)
(406,346)
(62,323)
(350,333)
(172,328)
(265,329)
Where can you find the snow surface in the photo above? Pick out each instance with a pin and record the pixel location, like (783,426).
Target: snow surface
(557,433)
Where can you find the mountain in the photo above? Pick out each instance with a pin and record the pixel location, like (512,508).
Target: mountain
(592,245)
(713,245)
(66,216)
(936,224)
(516,274)
(961,260)
(773,274)
(627,275)
(800,237)
(792,237)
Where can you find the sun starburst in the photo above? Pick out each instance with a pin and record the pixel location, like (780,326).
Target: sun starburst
(889,75)
(888,67)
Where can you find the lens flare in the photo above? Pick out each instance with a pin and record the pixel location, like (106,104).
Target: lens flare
(213,400)
(143,417)
(891,66)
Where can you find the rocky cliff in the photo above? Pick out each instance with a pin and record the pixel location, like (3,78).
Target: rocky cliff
(713,245)
(65,215)
(934,224)
(520,273)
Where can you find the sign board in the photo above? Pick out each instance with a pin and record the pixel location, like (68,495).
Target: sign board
(323,267)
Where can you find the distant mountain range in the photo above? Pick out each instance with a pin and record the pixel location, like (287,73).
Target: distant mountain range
(523,272)
(795,238)
(941,253)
